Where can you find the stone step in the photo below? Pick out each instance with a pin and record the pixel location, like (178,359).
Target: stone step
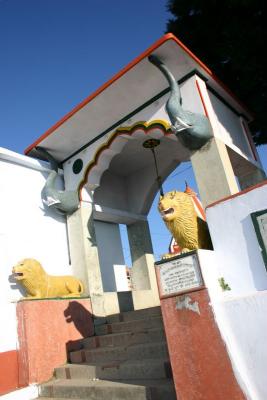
(134,315)
(129,326)
(120,353)
(124,338)
(140,369)
(103,390)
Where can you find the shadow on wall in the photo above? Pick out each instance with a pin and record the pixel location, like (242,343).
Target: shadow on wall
(82,319)
(15,286)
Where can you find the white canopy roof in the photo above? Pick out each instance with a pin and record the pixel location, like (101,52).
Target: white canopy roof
(112,102)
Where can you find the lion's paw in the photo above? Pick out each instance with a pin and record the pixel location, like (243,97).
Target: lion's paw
(185,250)
(168,255)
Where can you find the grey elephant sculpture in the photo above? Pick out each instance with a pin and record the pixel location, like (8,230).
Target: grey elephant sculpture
(194,130)
(62,201)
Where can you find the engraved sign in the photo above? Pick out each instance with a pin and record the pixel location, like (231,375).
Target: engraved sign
(179,275)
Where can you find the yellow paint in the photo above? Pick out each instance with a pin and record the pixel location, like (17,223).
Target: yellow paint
(39,285)
(146,124)
(189,231)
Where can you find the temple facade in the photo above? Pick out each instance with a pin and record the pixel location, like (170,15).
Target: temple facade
(101,161)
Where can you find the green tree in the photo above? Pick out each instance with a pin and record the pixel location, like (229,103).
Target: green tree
(230,36)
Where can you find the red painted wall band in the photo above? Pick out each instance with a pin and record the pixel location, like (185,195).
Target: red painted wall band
(9,379)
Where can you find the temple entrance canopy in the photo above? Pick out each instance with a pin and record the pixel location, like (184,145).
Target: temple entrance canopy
(124,172)
(100,147)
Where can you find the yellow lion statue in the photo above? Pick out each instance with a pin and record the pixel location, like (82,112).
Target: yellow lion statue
(39,285)
(179,214)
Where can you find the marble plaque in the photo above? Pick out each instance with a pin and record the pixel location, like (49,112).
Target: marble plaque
(179,275)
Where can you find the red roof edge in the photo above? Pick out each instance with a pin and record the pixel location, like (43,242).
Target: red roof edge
(158,43)
(249,189)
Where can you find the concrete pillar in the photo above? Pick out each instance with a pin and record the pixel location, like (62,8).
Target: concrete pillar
(145,289)
(84,255)
(141,250)
(214,172)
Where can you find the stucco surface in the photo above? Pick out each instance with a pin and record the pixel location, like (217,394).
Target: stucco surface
(201,367)
(47,330)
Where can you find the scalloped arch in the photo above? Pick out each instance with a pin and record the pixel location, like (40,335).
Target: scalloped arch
(146,127)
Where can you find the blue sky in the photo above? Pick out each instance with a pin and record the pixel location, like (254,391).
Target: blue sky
(54,53)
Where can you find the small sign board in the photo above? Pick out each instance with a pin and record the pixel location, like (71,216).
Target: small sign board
(180,274)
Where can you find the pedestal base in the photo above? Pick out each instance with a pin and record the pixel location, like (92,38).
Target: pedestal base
(47,330)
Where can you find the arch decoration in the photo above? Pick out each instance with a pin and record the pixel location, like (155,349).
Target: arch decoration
(113,146)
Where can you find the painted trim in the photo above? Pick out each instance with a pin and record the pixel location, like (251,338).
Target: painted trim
(146,127)
(158,43)
(263,183)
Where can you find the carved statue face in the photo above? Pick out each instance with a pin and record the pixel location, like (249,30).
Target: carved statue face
(171,205)
(26,269)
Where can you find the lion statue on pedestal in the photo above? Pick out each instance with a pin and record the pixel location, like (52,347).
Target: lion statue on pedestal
(39,285)
(188,229)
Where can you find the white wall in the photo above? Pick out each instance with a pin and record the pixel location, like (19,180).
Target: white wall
(122,283)
(235,242)
(243,325)
(27,230)
(240,312)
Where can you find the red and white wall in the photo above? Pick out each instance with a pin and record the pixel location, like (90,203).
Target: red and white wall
(240,312)
(27,230)
(217,334)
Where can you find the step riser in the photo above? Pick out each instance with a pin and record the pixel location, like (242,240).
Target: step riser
(160,370)
(124,339)
(127,360)
(120,354)
(104,393)
(135,315)
(131,326)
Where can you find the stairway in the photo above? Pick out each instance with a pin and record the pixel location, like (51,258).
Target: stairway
(127,359)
